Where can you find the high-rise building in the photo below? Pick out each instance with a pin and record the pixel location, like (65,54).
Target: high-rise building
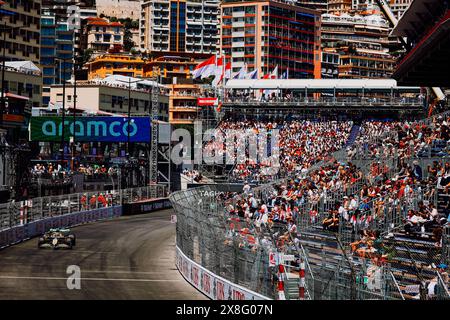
(22,20)
(360,43)
(57,45)
(365,6)
(320,5)
(339,6)
(180,26)
(398,7)
(60,40)
(267,34)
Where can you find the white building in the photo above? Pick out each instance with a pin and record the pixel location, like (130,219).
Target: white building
(190,26)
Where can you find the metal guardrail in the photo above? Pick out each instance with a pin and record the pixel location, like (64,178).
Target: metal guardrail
(22,212)
(308,102)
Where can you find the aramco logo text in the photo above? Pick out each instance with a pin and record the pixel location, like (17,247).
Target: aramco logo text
(93,128)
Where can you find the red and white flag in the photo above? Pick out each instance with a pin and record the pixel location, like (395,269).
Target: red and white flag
(205,69)
(220,74)
(272,75)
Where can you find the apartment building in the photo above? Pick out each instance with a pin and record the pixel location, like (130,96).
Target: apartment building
(190,26)
(267,34)
(320,5)
(22,19)
(398,7)
(183,107)
(101,35)
(361,44)
(23,79)
(115,64)
(339,6)
(111,95)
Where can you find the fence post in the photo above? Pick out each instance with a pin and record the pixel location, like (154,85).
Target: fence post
(301,285)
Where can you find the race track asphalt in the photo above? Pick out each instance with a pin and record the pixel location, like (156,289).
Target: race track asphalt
(130,257)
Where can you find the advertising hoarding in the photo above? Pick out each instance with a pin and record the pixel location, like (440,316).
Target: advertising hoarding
(90,129)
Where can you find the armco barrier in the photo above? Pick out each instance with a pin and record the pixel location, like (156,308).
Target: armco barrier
(23,232)
(211,285)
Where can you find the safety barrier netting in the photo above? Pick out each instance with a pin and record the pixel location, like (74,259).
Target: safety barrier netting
(22,212)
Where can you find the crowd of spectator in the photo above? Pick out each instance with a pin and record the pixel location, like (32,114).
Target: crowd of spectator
(55,171)
(404,190)
(301,143)
(194,175)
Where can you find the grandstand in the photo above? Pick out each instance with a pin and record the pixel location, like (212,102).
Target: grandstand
(357,95)
(361,204)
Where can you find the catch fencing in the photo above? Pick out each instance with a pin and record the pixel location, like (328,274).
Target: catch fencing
(228,246)
(20,213)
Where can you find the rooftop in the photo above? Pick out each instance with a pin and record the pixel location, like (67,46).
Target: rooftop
(312,84)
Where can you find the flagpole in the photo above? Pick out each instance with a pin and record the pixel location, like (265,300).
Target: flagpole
(224,66)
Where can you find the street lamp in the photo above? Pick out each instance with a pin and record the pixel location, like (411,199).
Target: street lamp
(74,111)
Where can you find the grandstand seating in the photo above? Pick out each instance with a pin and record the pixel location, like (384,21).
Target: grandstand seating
(387,155)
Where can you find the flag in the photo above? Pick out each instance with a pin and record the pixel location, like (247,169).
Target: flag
(285,74)
(228,70)
(274,74)
(252,75)
(205,69)
(219,107)
(218,72)
(242,73)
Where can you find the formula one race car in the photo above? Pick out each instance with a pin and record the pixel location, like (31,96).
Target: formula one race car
(55,238)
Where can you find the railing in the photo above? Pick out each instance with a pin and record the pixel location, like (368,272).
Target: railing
(442,287)
(354,101)
(391,275)
(19,213)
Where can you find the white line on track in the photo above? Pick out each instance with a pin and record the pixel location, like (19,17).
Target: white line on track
(89,279)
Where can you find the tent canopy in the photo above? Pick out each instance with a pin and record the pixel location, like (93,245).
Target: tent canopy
(23,66)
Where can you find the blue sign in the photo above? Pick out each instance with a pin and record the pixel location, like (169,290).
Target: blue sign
(91,129)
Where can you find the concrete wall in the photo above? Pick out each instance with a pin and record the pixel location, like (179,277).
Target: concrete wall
(119,8)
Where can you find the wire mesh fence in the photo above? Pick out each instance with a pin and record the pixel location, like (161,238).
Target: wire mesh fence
(22,212)
(226,245)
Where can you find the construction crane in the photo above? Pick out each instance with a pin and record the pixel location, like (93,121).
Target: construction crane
(384,6)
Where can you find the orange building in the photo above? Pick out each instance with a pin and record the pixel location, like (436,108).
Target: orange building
(171,67)
(183,107)
(111,64)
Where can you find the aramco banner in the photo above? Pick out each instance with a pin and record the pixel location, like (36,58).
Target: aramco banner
(90,129)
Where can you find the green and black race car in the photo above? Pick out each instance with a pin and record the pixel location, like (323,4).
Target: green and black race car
(56,238)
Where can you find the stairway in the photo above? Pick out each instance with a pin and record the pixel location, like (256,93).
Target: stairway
(413,255)
(442,202)
(354,132)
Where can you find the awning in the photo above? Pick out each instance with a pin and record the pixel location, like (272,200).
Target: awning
(15,96)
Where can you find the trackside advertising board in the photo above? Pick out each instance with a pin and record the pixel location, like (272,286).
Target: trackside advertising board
(213,286)
(90,129)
